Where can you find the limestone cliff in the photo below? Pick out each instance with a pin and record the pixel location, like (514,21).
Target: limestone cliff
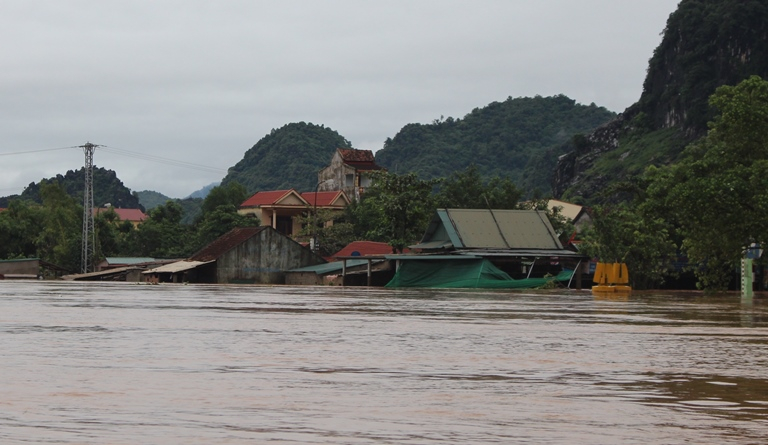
(706,44)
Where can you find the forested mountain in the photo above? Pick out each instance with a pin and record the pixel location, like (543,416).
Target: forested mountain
(150,199)
(190,206)
(502,139)
(705,44)
(107,189)
(203,192)
(288,157)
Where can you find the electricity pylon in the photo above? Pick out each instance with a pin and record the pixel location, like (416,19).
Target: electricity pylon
(89,234)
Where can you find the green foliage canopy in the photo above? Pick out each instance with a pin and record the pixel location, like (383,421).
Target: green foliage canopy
(717,194)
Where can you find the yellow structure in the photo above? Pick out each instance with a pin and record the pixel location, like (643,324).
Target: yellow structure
(611,279)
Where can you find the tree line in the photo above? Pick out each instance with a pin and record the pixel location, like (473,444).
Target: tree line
(395,209)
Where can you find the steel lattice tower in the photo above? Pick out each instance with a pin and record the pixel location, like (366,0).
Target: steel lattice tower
(89,234)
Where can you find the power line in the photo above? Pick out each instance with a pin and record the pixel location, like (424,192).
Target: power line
(160,159)
(127,153)
(35,151)
(132,154)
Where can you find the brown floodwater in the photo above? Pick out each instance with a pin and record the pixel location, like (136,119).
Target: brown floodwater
(99,363)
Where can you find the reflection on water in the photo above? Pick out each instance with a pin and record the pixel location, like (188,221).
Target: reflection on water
(126,364)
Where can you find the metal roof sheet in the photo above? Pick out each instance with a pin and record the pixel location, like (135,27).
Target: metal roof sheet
(501,229)
(128,260)
(179,266)
(335,266)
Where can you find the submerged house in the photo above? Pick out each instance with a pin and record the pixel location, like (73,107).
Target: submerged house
(252,255)
(489,249)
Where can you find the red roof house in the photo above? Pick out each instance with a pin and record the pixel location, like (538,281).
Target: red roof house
(281,209)
(135,216)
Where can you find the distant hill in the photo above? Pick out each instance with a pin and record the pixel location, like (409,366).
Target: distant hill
(107,189)
(519,138)
(203,192)
(288,157)
(706,44)
(151,199)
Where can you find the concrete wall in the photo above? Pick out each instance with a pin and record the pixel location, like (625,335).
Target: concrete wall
(263,259)
(20,267)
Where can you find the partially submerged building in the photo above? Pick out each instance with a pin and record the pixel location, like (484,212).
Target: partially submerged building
(29,268)
(252,255)
(489,249)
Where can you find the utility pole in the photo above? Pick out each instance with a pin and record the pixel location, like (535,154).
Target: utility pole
(89,234)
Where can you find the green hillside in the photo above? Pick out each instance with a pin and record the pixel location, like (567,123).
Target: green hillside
(107,189)
(705,44)
(505,139)
(150,199)
(288,157)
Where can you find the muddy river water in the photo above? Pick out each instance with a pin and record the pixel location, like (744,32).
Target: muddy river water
(184,364)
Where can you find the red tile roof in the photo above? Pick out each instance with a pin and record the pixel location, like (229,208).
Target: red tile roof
(265,198)
(363,248)
(352,155)
(225,243)
(324,199)
(132,215)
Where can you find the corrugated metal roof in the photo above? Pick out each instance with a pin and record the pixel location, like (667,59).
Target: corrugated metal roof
(226,242)
(128,260)
(405,256)
(335,266)
(499,229)
(430,245)
(179,266)
(522,253)
(518,229)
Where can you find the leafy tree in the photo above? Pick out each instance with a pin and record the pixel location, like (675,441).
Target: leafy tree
(220,221)
(20,226)
(622,234)
(230,194)
(162,235)
(395,209)
(219,213)
(468,190)
(59,242)
(716,194)
(113,234)
(331,229)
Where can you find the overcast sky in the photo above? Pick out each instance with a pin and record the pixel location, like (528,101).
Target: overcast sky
(164,83)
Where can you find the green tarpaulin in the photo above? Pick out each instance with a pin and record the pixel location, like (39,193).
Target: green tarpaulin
(464,273)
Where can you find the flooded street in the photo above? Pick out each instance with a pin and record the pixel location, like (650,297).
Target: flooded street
(92,363)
